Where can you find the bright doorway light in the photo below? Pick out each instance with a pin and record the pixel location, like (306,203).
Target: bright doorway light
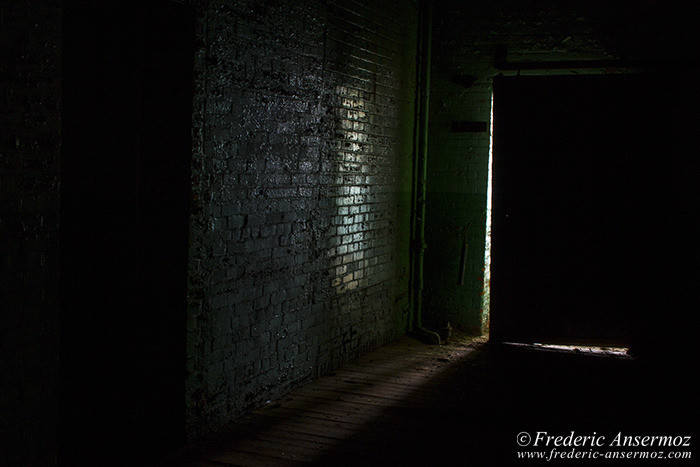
(573,348)
(486,294)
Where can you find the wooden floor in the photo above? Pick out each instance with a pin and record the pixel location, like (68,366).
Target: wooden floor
(324,418)
(462,403)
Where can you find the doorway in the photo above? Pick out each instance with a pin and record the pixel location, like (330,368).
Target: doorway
(574,230)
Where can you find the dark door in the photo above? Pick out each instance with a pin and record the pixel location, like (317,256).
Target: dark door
(124,227)
(586,206)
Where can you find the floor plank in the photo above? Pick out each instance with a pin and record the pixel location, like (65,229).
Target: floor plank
(462,403)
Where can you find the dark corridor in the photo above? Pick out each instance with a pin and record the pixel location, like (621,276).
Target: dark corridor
(124,227)
(208,207)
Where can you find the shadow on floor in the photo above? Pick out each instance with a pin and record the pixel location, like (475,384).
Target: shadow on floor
(487,399)
(460,406)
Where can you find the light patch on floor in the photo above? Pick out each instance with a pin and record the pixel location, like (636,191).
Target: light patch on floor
(582,349)
(319,419)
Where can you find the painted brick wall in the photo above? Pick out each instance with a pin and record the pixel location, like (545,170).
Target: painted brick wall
(301,194)
(465,36)
(29,202)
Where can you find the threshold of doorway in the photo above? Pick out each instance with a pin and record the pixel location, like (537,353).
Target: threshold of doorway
(597,351)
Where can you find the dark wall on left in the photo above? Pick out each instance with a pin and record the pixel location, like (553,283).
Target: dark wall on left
(125,174)
(269,141)
(30,88)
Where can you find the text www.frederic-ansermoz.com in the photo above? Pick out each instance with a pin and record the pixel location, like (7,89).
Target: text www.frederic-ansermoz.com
(546,446)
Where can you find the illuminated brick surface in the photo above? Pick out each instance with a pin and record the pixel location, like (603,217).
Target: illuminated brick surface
(301,181)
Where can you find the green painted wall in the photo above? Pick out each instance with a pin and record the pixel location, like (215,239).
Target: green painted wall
(466,34)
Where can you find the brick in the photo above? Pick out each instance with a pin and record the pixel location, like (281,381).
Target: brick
(305,131)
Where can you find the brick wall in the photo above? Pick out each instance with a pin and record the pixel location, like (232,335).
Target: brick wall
(301,194)
(302,137)
(465,36)
(29,202)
